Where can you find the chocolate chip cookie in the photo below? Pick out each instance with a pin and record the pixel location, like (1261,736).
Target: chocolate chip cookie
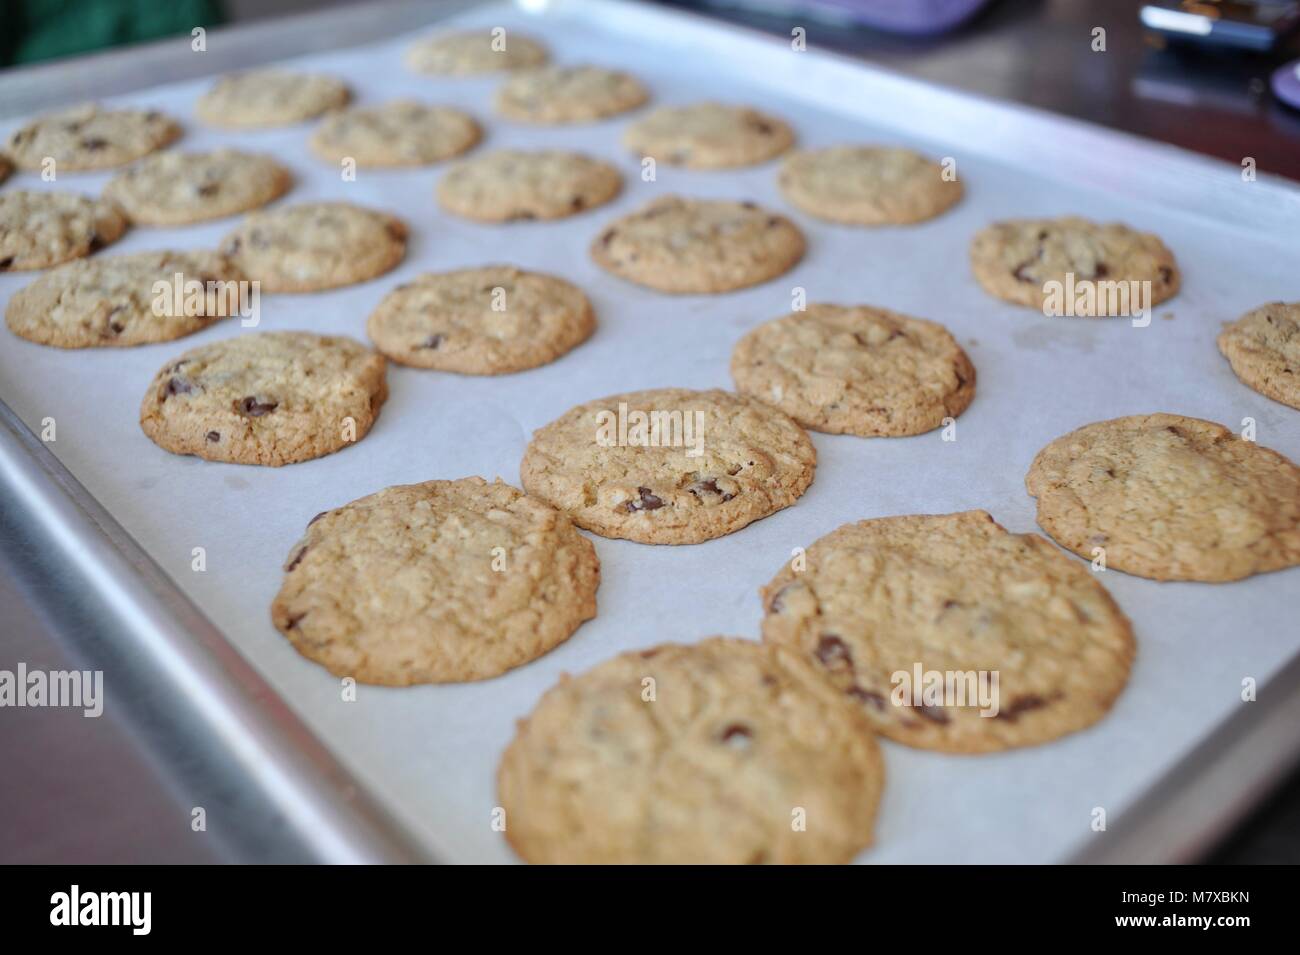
(951,633)
(316,245)
(476,51)
(1263,347)
(114,301)
(485,321)
(568,94)
(40,229)
(1169,497)
(699,245)
(708,136)
(1016,260)
(268,398)
(262,98)
(856,370)
(868,185)
(400,133)
(440,582)
(175,188)
(88,137)
(669,465)
(511,185)
(724,752)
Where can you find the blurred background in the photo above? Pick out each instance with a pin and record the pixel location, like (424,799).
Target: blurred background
(1208,76)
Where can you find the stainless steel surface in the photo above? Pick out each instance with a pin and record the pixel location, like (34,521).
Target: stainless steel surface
(1184,815)
(272,791)
(269,789)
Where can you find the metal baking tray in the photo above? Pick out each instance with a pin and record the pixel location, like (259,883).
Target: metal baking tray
(107,521)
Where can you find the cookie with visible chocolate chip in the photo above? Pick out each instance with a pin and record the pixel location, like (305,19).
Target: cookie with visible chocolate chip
(41,229)
(268,398)
(856,370)
(400,133)
(699,245)
(110,301)
(568,94)
(1015,260)
(868,185)
(1263,347)
(264,98)
(473,52)
(955,595)
(485,321)
(1169,497)
(175,188)
(692,754)
(441,582)
(669,465)
(514,185)
(88,137)
(708,136)
(316,245)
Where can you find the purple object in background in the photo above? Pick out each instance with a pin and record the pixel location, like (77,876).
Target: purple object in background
(915,17)
(1286,84)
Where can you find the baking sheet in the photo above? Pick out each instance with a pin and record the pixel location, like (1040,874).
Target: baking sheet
(430,752)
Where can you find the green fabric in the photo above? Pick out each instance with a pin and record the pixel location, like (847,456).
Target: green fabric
(32,30)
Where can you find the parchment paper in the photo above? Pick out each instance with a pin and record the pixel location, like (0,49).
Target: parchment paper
(431,751)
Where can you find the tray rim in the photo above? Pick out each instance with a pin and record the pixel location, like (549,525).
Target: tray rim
(1213,785)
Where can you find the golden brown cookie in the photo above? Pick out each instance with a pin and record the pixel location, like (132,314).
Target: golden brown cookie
(951,633)
(41,229)
(486,321)
(399,133)
(511,185)
(472,52)
(708,136)
(568,94)
(1016,260)
(440,582)
(316,245)
(725,752)
(856,370)
(262,98)
(88,137)
(175,188)
(669,465)
(267,398)
(868,185)
(113,301)
(699,245)
(1169,497)
(1263,347)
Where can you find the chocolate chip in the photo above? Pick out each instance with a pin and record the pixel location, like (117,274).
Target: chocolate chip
(578,203)
(762,128)
(253,408)
(709,486)
(867,696)
(296,560)
(934,714)
(214,436)
(749,205)
(833,652)
(95,244)
(208,189)
(1021,704)
(647,654)
(94,144)
(1166,274)
(737,735)
(646,502)
(1101,271)
(433,341)
(7,262)
(292,622)
(176,386)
